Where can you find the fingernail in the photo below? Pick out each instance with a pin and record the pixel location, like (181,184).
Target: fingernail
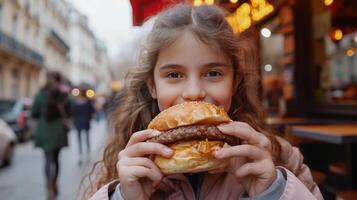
(221,126)
(155,133)
(167,151)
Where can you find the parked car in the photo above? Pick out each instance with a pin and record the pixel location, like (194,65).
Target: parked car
(7,143)
(17,114)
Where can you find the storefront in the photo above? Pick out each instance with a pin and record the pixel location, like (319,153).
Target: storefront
(333,57)
(307,54)
(272,25)
(307,51)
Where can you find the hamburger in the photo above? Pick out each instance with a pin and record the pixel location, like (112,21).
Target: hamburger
(189,129)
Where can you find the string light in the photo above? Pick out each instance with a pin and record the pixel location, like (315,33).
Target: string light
(90,93)
(265,32)
(197,2)
(338,35)
(245,14)
(201,2)
(209,2)
(234,1)
(328,2)
(268,67)
(350,52)
(75,92)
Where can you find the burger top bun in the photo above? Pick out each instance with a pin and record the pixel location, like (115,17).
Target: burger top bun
(189,113)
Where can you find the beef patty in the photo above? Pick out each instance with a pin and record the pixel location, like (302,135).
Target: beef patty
(194,132)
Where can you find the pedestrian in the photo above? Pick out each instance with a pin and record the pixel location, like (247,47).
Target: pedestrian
(192,54)
(82,111)
(51,109)
(99,108)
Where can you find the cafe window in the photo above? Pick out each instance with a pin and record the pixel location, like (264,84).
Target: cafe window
(277,61)
(271,68)
(335,52)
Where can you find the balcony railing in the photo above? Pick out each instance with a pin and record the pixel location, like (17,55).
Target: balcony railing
(57,38)
(12,46)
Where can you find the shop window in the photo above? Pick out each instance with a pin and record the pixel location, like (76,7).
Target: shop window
(277,61)
(1,11)
(2,81)
(335,52)
(14,26)
(28,84)
(15,84)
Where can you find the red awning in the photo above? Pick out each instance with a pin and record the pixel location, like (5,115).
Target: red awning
(143,9)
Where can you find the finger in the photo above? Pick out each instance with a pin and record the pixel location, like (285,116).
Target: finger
(148,164)
(142,136)
(145,148)
(134,173)
(245,150)
(245,132)
(254,168)
(216,171)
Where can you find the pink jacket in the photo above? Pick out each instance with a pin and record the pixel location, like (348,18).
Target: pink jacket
(299,183)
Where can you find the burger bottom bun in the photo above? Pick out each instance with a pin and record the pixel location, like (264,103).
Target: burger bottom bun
(191,157)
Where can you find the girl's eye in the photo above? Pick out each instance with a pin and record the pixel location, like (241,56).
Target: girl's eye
(174,75)
(214,74)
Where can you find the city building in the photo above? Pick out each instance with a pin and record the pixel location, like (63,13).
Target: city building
(21,57)
(42,35)
(88,56)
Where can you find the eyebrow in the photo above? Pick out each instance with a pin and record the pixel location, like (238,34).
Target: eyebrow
(217,64)
(209,65)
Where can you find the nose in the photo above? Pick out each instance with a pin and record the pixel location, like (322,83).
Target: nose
(193,91)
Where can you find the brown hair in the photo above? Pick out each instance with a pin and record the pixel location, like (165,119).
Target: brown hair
(137,108)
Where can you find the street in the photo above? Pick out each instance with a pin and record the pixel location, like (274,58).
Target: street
(25,178)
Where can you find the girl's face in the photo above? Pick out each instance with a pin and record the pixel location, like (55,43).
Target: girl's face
(190,70)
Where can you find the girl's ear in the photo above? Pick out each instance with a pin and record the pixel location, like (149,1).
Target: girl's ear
(152,89)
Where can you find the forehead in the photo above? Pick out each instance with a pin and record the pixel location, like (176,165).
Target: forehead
(188,50)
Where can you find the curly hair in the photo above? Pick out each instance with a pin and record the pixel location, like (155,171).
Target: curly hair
(137,108)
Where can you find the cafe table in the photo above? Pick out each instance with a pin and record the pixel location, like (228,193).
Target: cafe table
(284,124)
(283,121)
(344,134)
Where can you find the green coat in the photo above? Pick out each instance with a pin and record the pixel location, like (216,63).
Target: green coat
(48,135)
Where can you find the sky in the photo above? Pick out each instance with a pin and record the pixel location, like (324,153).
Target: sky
(110,20)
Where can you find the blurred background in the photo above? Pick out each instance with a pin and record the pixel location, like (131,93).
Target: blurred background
(307,67)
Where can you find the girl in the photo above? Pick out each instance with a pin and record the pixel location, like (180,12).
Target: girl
(192,54)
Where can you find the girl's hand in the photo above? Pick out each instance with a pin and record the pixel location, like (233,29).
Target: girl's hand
(251,162)
(138,175)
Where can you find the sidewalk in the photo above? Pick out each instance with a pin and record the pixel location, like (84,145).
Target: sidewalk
(25,179)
